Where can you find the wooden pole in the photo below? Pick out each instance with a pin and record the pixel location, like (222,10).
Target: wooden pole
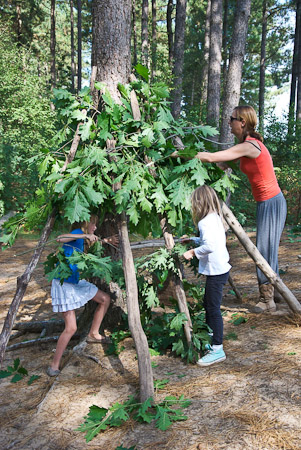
(146,380)
(259,260)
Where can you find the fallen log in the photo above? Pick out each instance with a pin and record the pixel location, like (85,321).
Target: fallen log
(37,341)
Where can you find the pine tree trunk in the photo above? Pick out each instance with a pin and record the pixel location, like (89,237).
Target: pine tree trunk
(179,46)
(134,30)
(52,44)
(111,43)
(169,31)
(262,66)
(72,47)
(79,45)
(204,76)
(237,52)
(298,109)
(144,33)
(215,58)
(154,38)
(292,104)
(225,42)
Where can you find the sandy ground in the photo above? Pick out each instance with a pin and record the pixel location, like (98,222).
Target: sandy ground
(251,401)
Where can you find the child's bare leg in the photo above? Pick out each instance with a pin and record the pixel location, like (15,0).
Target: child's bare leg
(70,329)
(103,301)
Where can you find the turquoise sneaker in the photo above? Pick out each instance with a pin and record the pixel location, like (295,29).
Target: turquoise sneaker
(211,357)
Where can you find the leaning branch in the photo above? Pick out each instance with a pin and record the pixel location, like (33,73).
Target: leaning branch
(23,280)
(259,260)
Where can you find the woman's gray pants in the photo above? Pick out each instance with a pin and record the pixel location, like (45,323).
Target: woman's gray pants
(270,218)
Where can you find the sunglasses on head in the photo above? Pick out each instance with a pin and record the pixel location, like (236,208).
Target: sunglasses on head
(234,118)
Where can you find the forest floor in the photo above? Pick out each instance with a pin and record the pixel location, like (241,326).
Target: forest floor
(250,401)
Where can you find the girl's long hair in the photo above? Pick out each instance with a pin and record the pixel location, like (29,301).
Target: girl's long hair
(248,114)
(204,201)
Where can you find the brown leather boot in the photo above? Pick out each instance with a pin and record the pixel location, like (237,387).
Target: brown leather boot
(266,303)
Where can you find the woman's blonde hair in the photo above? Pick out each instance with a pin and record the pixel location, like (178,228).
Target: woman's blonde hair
(204,201)
(248,114)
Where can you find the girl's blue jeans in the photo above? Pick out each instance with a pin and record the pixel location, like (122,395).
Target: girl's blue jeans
(212,304)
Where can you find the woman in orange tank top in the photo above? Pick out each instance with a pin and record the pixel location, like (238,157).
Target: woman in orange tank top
(256,162)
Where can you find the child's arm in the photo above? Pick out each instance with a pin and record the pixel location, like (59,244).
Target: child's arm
(72,237)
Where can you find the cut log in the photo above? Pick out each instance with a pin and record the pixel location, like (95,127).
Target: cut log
(51,326)
(259,260)
(39,341)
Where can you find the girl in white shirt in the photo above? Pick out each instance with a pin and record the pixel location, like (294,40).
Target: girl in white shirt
(213,262)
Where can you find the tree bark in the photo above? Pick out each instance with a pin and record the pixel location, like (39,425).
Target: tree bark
(111,43)
(79,45)
(134,29)
(215,58)
(179,46)
(144,33)
(237,52)
(204,76)
(225,41)
(52,44)
(169,31)
(23,280)
(72,47)
(262,66)
(292,104)
(298,109)
(154,38)
(259,260)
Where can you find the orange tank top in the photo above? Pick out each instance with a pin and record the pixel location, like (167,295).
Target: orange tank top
(260,172)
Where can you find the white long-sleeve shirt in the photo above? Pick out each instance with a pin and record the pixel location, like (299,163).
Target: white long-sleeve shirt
(212,252)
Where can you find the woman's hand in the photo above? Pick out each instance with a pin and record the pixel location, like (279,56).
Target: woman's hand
(189,254)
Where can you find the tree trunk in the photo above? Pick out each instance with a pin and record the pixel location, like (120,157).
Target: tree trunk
(23,280)
(72,47)
(259,260)
(111,43)
(204,76)
(79,45)
(292,105)
(225,42)
(52,45)
(298,109)
(179,46)
(154,38)
(19,24)
(262,66)
(215,58)
(237,52)
(144,33)
(134,28)
(169,31)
